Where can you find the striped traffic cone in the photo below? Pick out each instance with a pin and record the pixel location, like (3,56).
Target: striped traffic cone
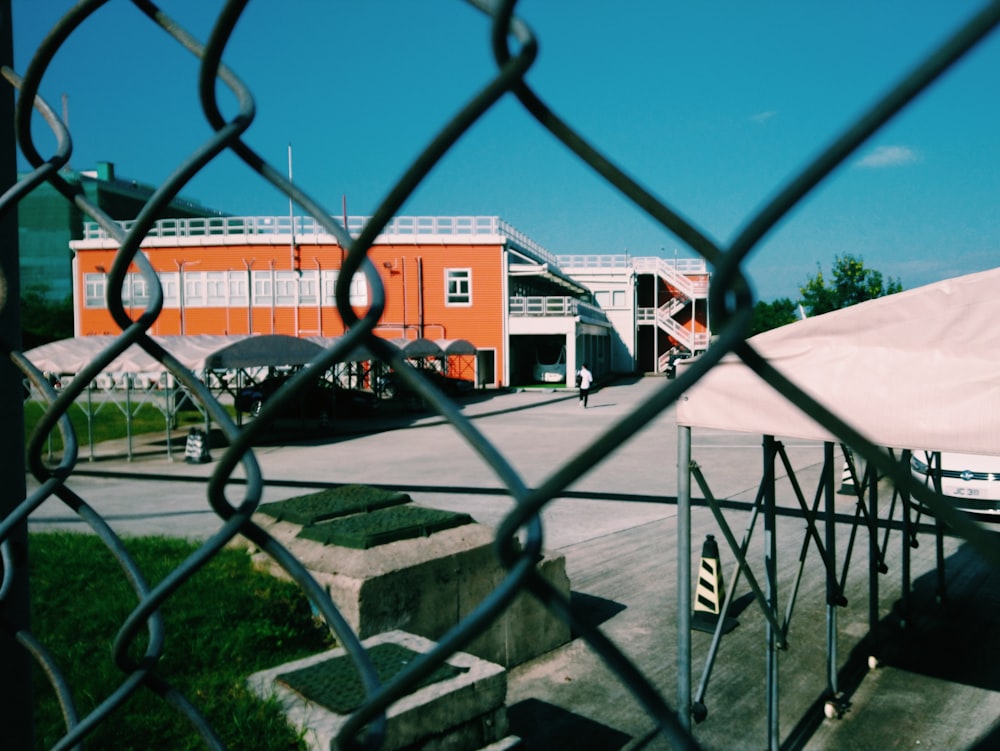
(196,448)
(711,592)
(847,486)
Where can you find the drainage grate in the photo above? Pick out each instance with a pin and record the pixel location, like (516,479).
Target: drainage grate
(383,526)
(335,685)
(332,503)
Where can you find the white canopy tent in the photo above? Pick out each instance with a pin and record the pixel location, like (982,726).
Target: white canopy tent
(195,352)
(201,354)
(919,369)
(220,352)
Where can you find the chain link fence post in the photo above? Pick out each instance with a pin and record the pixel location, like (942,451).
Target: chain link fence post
(15,690)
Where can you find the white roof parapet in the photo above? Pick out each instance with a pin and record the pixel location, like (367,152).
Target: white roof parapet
(590,261)
(280,229)
(642,264)
(650,264)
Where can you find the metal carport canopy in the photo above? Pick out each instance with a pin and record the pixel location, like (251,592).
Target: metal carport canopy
(450,347)
(219,352)
(194,352)
(918,369)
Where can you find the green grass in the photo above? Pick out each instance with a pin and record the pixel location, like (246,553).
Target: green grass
(225,623)
(109,422)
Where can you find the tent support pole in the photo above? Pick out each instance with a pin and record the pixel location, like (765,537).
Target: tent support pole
(832,588)
(771,575)
(205,376)
(128,412)
(904,496)
(873,561)
(935,464)
(171,412)
(90,420)
(684,576)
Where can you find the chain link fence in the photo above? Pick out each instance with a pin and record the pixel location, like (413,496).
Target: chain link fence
(514,48)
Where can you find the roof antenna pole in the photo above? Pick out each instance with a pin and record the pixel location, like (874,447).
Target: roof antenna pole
(291,214)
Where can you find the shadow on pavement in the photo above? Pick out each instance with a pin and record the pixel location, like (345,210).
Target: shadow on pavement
(592,610)
(954,641)
(546,727)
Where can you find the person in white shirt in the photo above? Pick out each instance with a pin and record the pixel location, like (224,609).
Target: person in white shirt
(584,379)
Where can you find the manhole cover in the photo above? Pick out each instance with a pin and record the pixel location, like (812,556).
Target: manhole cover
(336,685)
(332,503)
(383,526)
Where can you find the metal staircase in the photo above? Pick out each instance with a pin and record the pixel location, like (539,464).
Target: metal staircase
(673,273)
(685,290)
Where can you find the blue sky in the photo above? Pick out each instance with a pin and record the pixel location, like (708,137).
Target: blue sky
(713,106)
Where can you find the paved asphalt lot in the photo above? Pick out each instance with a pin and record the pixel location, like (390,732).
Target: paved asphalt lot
(938,683)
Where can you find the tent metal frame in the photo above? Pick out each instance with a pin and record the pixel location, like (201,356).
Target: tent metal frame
(821,532)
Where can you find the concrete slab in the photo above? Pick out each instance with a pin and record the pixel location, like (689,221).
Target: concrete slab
(425,585)
(462,713)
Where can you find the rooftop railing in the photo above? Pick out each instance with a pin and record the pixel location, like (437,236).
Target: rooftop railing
(643,264)
(307,228)
(537,305)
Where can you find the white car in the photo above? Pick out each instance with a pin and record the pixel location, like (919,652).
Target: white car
(554,372)
(972,480)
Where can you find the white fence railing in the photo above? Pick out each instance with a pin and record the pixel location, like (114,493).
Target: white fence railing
(553,306)
(307,228)
(677,274)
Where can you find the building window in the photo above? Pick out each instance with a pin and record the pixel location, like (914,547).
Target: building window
(238,288)
(137,290)
(215,289)
(458,286)
(194,288)
(307,288)
(286,287)
(261,287)
(609,299)
(93,290)
(358,293)
(169,281)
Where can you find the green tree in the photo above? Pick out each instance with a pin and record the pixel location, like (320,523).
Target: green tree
(43,320)
(771,315)
(850,283)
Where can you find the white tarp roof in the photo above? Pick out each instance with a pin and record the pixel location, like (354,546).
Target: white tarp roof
(919,369)
(203,351)
(195,352)
(456,346)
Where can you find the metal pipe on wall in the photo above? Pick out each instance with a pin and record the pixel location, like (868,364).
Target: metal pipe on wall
(273,291)
(319,296)
(420,296)
(249,268)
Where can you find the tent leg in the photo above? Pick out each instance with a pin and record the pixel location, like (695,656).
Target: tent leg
(684,577)
(90,420)
(771,574)
(832,590)
(907,541)
(874,563)
(939,541)
(128,412)
(938,530)
(208,418)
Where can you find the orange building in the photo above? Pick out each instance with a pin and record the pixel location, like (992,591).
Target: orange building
(444,278)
